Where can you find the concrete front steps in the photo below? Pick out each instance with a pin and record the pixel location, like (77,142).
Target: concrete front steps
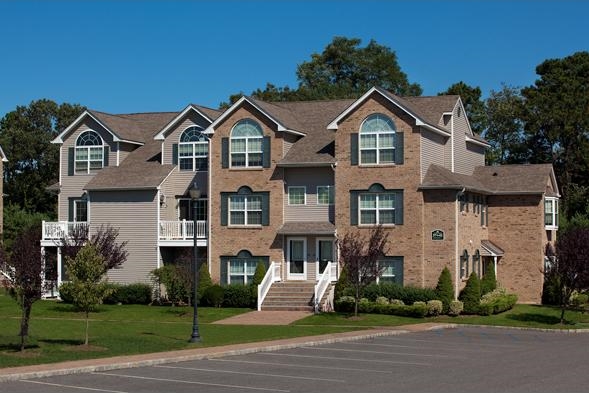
(290,296)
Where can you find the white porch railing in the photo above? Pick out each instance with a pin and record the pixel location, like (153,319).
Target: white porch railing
(182,230)
(272,276)
(60,229)
(322,284)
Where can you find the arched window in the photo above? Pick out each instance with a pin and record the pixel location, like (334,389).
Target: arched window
(377,140)
(89,152)
(476,263)
(246,144)
(464,265)
(193,150)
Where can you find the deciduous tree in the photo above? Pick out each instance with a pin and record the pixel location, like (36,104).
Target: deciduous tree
(359,255)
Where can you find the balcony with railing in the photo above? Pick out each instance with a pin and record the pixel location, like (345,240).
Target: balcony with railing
(54,231)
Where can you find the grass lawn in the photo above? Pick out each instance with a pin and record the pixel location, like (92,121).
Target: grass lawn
(521,315)
(57,331)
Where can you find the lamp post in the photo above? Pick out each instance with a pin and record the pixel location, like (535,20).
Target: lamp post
(194,192)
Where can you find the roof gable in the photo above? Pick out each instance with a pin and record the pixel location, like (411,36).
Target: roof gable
(87,113)
(206,113)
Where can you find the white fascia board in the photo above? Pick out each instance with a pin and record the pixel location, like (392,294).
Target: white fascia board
(459,102)
(295,132)
(211,128)
(160,135)
(334,124)
(476,142)
(554,183)
(115,137)
(4,159)
(159,186)
(420,123)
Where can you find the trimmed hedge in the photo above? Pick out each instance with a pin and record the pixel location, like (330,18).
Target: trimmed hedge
(240,296)
(137,293)
(408,295)
(496,302)
(213,296)
(365,306)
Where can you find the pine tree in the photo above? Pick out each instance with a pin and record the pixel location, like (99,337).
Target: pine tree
(471,294)
(488,282)
(445,289)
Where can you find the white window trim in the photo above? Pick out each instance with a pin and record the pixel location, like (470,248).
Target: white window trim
(87,148)
(247,151)
(193,156)
(242,275)
(333,251)
(245,210)
(304,196)
(377,208)
(297,276)
(377,148)
(76,202)
(383,275)
(330,195)
(554,202)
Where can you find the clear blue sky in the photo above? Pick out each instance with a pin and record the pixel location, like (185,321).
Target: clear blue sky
(140,56)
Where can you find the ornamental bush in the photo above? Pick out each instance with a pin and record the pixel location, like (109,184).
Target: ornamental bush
(408,295)
(345,304)
(382,300)
(456,307)
(435,308)
(365,306)
(213,296)
(489,281)
(259,274)
(445,289)
(239,296)
(471,294)
(204,280)
(137,293)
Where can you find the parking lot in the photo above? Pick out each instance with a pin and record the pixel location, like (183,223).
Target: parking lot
(464,359)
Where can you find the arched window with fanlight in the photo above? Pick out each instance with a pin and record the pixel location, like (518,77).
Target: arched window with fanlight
(464,265)
(246,144)
(377,140)
(193,150)
(89,152)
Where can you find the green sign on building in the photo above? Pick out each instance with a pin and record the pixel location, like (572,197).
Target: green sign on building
(437,234)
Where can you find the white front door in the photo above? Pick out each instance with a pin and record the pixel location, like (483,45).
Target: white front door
(297,258)
(325,253)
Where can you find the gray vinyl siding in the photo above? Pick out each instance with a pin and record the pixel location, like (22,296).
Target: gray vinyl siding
(475,155)
(134,214)
(173,135)
(72,186)
(176,186)
(462,163)
(287,141)
(309,178)
(124,150)
(433,150)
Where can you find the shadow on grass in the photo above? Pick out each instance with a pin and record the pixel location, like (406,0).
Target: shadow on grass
(62,341)
(14,347)
(539,318)
(163,336)
(70,308)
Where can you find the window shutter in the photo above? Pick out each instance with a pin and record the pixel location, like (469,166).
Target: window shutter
(224,212)
(266,157)
(353,207)
(399,151)
(71,152)
(105,156)
(265,208)
(398,268)
(224,152)
(399,208)
(174,153)
(354,149)
(70,209)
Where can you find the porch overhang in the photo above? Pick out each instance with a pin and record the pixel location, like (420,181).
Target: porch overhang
(491,249)
(307,228)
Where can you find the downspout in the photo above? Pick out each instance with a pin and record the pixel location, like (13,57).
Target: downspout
(456,232)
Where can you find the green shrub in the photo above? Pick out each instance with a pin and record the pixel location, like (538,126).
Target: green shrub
(397,302)
(471,294)
(580,300)
(175,280)
(66,292)
(419,303)
(137,293)
(408,295)
(342,287)
(213,296)
(204,280)
(259,274)
(456,307)
(445,289)
(435,308)
(239,296)
(382,300)
(345,304)
(496,302)
(551,292)
(489,281)
(365,306)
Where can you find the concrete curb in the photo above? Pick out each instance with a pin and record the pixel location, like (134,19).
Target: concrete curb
(152,359)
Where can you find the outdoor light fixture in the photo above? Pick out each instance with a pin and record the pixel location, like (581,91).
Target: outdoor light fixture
(194,193)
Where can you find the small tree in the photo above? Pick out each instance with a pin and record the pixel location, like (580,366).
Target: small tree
(204,280)
(359,256)
(471,294)
(569,268)
(259,274)
(25,271)
(445,289)
(86,273)
(488,282)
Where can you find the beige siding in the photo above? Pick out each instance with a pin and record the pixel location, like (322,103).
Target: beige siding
(176,186)
(124,150)
(173,135)
(310,178)
(432,150)
(134,214)
(72,186)
(475,155)
(460,129)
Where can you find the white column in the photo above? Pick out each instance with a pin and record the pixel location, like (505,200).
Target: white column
(495,265)
(59,263)
(43,267)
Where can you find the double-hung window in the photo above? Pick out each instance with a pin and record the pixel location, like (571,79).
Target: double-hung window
(89,155)
(193,150)
(245,210)
(297,195)
(325,195)
(551,213)
(392,270)
(240,268)
(377,140)
(377,208)
(246,144)
(464,265)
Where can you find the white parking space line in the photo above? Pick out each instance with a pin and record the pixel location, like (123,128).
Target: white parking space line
(192,382)
(345,359)
(450,348)
(478,344)
(258,374)
(71,386)
(427,355)
(291,365)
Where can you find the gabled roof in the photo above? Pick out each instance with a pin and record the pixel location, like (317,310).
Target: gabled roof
(307,228)
(135,128)
(493,180)
(207,113)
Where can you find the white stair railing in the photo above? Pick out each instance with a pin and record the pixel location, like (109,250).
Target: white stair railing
(322,285)
(272,276)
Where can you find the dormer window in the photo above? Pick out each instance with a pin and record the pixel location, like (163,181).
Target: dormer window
(377,140)
(551,213)
(89,154)
(246,144)
(193,150)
